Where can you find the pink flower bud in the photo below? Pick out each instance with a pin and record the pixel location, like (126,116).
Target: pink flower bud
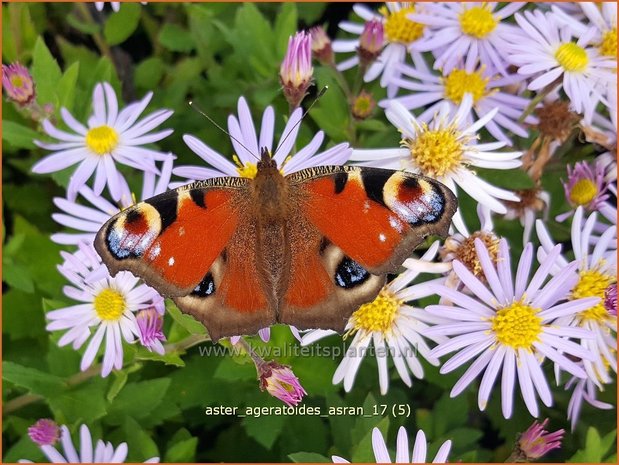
(18,84)
(295,72)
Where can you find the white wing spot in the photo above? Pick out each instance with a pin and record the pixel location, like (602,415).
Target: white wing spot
(366,206)
(181,231)
(382,237)
(171,261)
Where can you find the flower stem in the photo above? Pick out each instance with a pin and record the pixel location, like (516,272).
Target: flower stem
(537,99)
(102,45)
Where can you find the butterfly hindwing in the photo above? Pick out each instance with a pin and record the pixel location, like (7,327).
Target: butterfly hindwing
(375,216)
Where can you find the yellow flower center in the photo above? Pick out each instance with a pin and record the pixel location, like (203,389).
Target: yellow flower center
(245,170)
(435,152)
(17,81)
(398,28)
(572,57)
(583,192)
(477,22)
(608,46)
(593,283)
(467,254)
(517,325)
(459,82)
(102,139)
(109,305)
(377,315)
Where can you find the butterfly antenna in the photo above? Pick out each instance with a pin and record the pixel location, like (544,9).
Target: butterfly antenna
(281,142)
(196,108)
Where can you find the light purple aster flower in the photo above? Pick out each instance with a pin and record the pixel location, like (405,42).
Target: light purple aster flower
(243,130)
(545,52)
(584,390)
(87,220)
(44,432)
(106,305)
(279,381)
(510,326)
(428,90)
(103,452)
(111,137)
(610,299)
(472,31)
(402,453)
(18,84)
(586,187)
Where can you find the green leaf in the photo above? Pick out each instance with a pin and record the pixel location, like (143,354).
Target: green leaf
(16,276)
(285,26)
(122,24)
(141,444)
(182,451)
(85,403)
(265,429)
(507,179)
(149,73)
(308,457)
(81,25)
(137,400)
(175,38)
(21,315)
(331,111)
(19,136)
(46,73)
(120,379)
(171,358)
(364,451)
(35,381)
(186,321)
(67,85)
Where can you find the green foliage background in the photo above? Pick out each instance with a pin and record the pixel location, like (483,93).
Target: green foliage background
(211,53)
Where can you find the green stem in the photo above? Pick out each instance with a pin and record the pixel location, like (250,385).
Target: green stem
(102,45)
(537,99)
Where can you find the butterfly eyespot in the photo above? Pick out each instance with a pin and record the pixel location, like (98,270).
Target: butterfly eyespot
(349,274)
(206,287)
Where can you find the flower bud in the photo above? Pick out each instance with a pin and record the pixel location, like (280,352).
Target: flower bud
(295,72)
(150,323)
(18,84)
(321,45)
(44,432)
(363,105)
(536,442)
(371,42)
(280,382)
(610,299)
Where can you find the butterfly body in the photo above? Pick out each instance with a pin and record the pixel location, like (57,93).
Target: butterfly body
(305,249)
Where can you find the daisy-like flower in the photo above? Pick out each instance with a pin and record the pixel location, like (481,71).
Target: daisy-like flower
(18,84)
(391,325)
(584,390)
(400,33)
(243,130)
(444,149)
(44,432)
(402,453)
(470,30)
(87,220)
(106,305)
(111,136)
(586,187)
(536,442)
(103,452)
(595,270)
(510,325)
(603,16)
(546,53)
(279,381)
(429,90)
(460,245)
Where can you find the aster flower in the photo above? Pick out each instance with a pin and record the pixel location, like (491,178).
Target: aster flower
(460,245)
(103,452)
(115,6)
(371,42)
(429,90)
(602,16)
(44,432)
(472,31)
(244,131)
(150,324)
(295,72)
(546,53)
(583,390)
(536,442)
(279,381)
(594,271)
(610,299)
(399,35)
(18,84)
(391,325)
(511,325)
(586,187)
(444,149)
(106,305)
(87,220)
(402,454)
(111,136)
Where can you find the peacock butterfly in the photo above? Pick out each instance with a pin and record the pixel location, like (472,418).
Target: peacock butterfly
(306,249)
